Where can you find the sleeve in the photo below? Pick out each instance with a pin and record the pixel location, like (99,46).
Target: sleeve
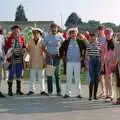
(61,50)
(44,41)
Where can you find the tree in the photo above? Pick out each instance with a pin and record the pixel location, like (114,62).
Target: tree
(93,23)
(20,14)
(109,24)
(73,20)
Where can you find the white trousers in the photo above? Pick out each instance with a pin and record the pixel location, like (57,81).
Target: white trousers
(73,67)
(41,77)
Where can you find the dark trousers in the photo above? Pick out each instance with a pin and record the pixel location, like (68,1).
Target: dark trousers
(56,62)
(94,71)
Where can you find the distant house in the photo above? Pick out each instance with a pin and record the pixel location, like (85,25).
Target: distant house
(44,25)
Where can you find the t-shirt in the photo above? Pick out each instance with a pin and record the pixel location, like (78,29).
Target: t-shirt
(53,43)
(93,49)
(102,40)
(73,53)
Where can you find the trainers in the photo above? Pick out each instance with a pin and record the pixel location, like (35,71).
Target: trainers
(44,94)
(66,96)
(30,93)
(90,98)
(1,95)
(95,98)
(10,93)
(19,93)
(79,96)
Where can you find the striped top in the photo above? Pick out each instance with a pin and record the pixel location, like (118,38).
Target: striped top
(17,57)
(93,49)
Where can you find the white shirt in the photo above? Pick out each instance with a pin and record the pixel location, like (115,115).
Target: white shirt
(2,43)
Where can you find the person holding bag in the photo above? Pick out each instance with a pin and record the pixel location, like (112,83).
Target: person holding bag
(52,43)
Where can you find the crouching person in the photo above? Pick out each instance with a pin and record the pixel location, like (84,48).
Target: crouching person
(71,51)
(37,58)
(93,55)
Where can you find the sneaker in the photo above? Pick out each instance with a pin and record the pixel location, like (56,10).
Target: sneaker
(79,96)
(44,94)
(66,96)
(1,95)
(95,98)
(19,93)
(90,98)
(30,93)
(10,93)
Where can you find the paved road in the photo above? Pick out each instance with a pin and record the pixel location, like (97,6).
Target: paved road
(56,108)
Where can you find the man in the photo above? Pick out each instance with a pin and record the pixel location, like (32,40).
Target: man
(2,43)
(102,41)
(52,43)
(16,43)
(37,59)
(72,51)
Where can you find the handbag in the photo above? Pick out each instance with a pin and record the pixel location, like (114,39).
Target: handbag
(50,69)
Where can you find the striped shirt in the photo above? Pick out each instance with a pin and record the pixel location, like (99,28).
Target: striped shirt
(17,57)
(93,49)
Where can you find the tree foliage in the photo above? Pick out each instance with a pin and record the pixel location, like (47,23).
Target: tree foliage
(20,14)
(73,20)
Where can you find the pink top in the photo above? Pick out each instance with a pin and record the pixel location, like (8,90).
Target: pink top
(108,59)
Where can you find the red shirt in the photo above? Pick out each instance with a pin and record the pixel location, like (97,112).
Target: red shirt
(10,40)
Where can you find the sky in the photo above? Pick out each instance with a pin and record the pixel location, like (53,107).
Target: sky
(59,10)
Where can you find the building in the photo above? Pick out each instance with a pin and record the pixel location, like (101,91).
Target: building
(44,25)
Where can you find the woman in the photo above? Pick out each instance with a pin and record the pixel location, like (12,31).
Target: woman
(93,55)
(108,61)
(116,81)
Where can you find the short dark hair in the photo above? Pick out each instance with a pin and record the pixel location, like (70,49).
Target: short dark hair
(53,25)
(15,26)
(101,27)
(92,35)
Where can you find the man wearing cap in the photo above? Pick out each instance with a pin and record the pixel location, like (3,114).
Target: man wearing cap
(52,43)
(72,51)
(16,43)
(2,43)
(37,61)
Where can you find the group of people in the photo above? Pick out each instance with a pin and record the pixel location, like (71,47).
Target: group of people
(98,53)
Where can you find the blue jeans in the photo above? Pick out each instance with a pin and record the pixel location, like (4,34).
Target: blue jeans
(56,62)
(16,69)
(94,69)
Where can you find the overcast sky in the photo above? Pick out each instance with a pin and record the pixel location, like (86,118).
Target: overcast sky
(103,10)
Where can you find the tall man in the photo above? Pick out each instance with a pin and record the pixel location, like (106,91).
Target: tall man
(53,42)
(72,50)
(16,43)
(2,43)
